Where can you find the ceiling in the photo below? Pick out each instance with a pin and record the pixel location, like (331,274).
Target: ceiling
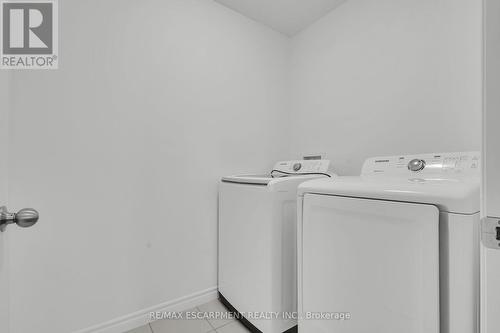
(286,16)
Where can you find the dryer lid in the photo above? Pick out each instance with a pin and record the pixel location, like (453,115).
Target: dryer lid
(449,181)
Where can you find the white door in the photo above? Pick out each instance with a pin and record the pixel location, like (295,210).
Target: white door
(4,274)
(490,250)
(374,264)
(8,233)
(4,287)
(490,290)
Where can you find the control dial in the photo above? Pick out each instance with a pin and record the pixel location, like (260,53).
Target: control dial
(416,165)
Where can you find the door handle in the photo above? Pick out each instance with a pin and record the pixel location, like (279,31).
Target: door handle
(24,218)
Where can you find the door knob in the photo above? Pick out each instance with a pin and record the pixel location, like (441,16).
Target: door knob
(24,218)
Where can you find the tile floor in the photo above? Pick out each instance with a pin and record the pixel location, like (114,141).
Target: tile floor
(195,325)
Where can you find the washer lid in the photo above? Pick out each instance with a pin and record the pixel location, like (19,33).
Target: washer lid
(272,183)
(449,194)
(249,179)
(283,171)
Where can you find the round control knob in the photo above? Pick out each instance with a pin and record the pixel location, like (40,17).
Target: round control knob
(26,217)
(297,166)
(416,165)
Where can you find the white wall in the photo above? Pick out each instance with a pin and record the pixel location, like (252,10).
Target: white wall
(379,77)
(121,150)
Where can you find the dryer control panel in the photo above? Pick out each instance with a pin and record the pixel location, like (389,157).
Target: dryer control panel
(466,163)
(302,166)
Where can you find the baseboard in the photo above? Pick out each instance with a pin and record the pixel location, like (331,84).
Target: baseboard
(142,317)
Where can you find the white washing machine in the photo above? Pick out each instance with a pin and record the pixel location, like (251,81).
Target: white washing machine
(393,250)
(257,244)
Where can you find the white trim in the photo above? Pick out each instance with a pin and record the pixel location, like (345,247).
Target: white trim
(142,317)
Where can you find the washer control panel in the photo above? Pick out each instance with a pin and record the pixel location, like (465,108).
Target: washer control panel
(412,165)
(302,166)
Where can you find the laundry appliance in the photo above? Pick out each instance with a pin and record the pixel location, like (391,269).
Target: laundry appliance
(257,244)
(393,250)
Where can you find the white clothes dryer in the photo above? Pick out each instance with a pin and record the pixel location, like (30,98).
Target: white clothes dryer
(393,250)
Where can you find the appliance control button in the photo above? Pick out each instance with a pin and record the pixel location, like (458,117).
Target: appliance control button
(297,166)
(416,165)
